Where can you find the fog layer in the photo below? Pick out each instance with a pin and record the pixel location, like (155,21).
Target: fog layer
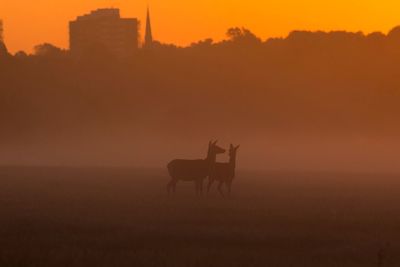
(311,101)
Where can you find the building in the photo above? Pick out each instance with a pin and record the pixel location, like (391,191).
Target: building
(104,29)
(148,39)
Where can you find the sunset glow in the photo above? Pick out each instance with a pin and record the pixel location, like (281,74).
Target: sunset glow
(28,23)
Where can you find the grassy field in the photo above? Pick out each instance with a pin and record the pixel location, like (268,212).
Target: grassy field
(123,217)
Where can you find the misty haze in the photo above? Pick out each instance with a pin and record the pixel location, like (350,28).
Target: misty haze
(241,152)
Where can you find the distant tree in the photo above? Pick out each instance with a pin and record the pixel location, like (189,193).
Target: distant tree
(376,37)
(3,50)
(47,50)
(394,34)
(161,46)
(203,43)
(21,54)
(242,35)
(308,40)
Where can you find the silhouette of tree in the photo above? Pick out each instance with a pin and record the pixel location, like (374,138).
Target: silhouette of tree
(21,55)
(162,46)
(376,36)
(242,35)
(3,50)
(206,43)
(47,50)
(394,33)
(310,80)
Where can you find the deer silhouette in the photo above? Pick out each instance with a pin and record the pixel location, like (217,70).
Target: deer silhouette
(193,170)
(224,173)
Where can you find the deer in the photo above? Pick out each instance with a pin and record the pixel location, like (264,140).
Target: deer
(193,170)
(224,173)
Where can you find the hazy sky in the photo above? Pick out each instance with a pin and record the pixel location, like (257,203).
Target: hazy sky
(30,22)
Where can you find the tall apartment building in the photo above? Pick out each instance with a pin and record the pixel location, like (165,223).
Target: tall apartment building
(106,29)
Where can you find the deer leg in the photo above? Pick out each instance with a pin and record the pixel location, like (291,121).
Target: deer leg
(174,186)
(220,188)
(229,186)
(196,186)
(210,183)
(201,187)
(171,186)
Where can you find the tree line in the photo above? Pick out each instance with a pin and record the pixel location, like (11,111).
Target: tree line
(308,81)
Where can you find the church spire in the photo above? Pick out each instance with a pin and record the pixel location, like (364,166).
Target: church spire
(148,40)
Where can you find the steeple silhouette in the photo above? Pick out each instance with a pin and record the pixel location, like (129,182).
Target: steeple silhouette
(148,40)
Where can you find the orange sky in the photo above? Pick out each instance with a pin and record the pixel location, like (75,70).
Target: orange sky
(30,22)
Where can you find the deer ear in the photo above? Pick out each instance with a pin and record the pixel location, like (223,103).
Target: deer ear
(231,147)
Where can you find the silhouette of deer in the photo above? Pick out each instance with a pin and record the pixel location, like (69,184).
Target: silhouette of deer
(224,173)
(193,170)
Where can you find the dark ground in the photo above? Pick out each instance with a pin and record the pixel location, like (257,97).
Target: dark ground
(123,217)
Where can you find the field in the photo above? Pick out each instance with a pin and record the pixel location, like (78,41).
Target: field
(123,217)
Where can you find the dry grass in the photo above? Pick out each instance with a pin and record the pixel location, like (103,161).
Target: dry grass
(122,217)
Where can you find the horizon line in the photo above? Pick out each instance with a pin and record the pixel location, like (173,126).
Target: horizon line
(216,41)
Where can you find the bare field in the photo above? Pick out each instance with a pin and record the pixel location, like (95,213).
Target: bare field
(123,217)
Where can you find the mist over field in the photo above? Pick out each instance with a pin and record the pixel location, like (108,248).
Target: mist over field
(313,100)
(122,216)
(85,143)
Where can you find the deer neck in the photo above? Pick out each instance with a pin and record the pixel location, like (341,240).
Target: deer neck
(232,162)
(211,158)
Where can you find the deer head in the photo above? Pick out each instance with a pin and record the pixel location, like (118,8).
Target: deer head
(216,149)
(213,149)
(233,151)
